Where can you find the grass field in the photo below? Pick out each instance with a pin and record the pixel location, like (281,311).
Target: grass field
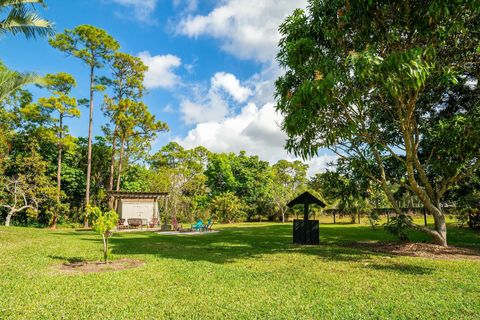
(246,271)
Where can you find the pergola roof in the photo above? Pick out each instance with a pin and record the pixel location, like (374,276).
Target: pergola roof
(137,195)
(306,198)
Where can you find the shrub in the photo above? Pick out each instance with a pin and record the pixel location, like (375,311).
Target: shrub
(399,226)
(373,219)
(227,207)
(103,222)
(474,220)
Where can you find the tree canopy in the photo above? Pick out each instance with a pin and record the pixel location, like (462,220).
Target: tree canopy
(391,87)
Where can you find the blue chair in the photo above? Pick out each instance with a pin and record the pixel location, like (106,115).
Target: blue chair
(199,226)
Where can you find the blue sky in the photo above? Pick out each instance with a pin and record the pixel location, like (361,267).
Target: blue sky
(212,66)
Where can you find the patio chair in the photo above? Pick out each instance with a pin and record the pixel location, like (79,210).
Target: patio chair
(121,224)
(208,226)
(153,223)
(175,225)
(199,226)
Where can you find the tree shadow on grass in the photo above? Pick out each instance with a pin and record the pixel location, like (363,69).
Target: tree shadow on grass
(69,260)
(402,268)
(237,243)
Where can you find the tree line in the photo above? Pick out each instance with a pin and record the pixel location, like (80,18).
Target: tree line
(49,176)
(398,105)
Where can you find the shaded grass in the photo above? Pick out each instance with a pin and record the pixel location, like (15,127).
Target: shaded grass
(246,271)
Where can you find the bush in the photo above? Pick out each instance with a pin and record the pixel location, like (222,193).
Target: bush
(399,226)
(103,222)
(227,208)
(474,220)
(373,219)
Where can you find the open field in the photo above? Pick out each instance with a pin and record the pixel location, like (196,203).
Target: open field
(245,271)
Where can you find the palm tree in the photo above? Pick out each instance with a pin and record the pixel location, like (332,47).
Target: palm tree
(21,18)
(11,80)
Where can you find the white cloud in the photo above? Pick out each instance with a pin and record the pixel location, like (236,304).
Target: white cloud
(254,130)
(247,29)
(186,5)
(211,108)
(168,109)
(212,103)
(231,85)
(142,10)
(160,70)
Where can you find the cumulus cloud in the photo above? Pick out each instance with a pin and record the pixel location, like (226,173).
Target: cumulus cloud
(247,29)
(160,70)
(186,5)
(212,108)
(231,85)
(142,9)
(251,130)
(213,102)
(254,130)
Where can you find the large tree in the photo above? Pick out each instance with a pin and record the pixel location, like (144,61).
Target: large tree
(93,46)
(391,87)
(128,74)
(26,183)
(20,17)
(182,173)
(248,177)
(138,126)
(55,109)
(289,178)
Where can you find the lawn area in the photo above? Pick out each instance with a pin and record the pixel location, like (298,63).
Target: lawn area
(245,271)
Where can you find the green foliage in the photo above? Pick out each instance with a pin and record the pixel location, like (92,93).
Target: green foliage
(248,178)
(22,18)
(11,81)
(182,173)
(399,226)
(288,180)
(373,219)
(103,222)
(90,44)
(395,103)
(227,208)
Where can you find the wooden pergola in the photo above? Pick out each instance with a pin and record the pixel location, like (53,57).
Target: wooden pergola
(137,195)
(142,202)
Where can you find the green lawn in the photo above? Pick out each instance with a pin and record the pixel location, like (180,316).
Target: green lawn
(246,271)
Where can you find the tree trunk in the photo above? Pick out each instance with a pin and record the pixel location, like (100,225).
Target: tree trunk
(105,248)
(8,218)
(440,235)
(112,166)
(53,224)
(120,160)
(89,154)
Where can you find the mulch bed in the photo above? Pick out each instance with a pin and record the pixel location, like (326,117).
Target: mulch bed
(423,250)
(89,267)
